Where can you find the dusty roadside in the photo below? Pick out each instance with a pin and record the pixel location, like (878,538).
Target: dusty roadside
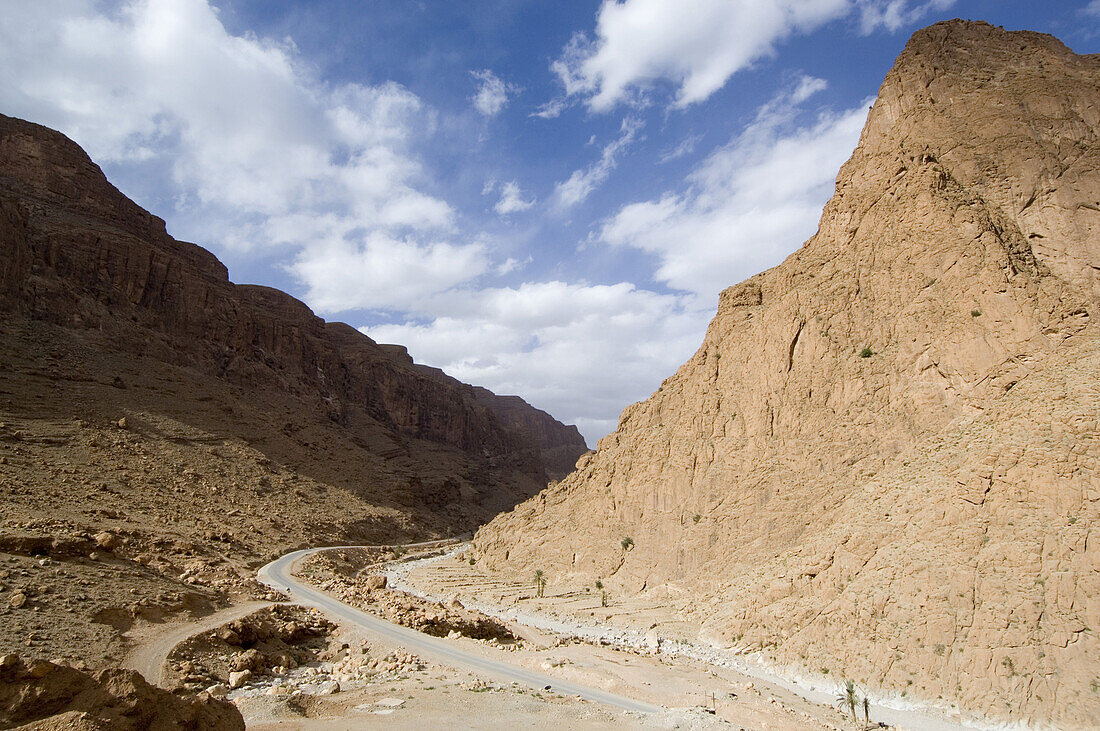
(692,694)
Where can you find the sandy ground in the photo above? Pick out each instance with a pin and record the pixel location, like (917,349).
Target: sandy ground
(771,701)
(694,696)
(436,697)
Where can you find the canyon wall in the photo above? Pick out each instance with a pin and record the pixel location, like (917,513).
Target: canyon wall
(882,462)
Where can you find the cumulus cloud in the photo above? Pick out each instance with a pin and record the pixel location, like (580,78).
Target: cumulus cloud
(260,152)
(697,45)
(492,93)
(384,273)
(748,204)
(582,182)
(553,343)
(511,199)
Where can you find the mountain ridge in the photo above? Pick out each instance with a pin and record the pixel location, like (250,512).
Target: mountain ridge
(204,426)
(769,487)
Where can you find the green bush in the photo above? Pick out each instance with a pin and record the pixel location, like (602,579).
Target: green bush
(866,353)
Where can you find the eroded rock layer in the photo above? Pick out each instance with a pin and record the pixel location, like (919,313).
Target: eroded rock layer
(883,460)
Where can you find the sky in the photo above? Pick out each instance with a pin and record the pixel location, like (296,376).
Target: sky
(543,198)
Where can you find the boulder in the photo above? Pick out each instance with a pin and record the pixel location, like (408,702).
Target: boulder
(239,678)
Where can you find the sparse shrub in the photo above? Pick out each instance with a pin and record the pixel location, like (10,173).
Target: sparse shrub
(938,649)
(866,353)
(599,584)
(696,518)
(472,560)
(627,543)
(975,313)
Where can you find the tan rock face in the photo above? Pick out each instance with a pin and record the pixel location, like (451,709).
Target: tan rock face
(883,459)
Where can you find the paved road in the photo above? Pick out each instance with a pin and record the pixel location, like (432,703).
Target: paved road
(277,575)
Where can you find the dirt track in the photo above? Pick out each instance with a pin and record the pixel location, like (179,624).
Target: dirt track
(158,641)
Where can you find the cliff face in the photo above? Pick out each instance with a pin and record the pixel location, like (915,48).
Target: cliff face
(76,253)
(560,445)
(883,459)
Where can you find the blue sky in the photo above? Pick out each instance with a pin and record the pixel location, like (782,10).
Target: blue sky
(543,198)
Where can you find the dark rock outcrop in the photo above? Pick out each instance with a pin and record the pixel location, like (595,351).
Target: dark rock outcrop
(75,252)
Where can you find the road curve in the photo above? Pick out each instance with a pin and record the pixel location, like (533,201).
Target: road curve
(151,654)
(277,575)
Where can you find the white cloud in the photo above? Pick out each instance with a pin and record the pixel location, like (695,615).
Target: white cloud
(582,182)
(694,44)
(259,151)
(683,149)
(896,14)
(492,93)
(697,45)
(511,199)
(553,343)
(381,272)
(748,204)
(551,109)
(1093,8)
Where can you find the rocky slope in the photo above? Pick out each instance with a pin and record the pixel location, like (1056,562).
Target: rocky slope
(203,425)
(45,696)
(882,463)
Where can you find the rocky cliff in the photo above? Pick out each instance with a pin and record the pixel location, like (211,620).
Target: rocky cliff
(560,445)
(882,463)
(79,252)
(201,425)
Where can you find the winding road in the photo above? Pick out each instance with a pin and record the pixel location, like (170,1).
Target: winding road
(277,575)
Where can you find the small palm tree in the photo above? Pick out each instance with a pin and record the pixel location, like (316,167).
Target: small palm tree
(848,697)
(866,711)
(540,581)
